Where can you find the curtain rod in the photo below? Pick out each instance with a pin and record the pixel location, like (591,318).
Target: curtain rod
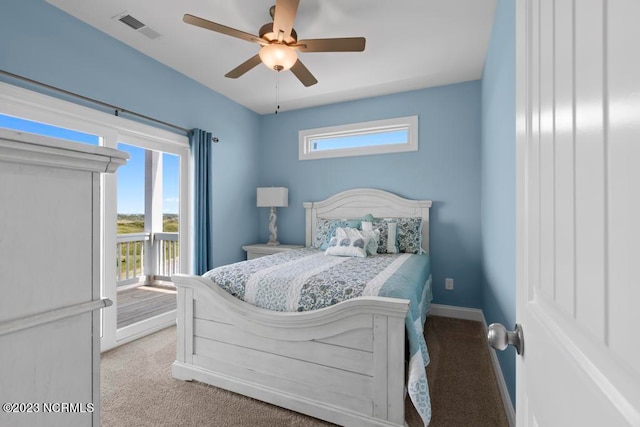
(116,109)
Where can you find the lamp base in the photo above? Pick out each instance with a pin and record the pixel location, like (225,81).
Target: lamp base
(273,229)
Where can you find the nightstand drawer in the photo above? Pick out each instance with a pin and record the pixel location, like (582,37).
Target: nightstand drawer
(260,250)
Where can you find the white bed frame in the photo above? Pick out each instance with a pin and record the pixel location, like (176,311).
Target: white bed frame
(343,364)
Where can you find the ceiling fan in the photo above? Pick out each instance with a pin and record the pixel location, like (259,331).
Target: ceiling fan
(280,42)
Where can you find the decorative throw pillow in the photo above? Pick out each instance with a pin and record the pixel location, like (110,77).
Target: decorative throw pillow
(348,243)
(367,217)
(409,235)
(374,237)
(352,233)
(326,227)
(388,234)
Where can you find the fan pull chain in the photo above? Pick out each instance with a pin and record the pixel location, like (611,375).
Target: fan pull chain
(277,92)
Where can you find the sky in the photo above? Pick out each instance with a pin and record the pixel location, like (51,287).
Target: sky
(130,176)
(131,182)
(360,140)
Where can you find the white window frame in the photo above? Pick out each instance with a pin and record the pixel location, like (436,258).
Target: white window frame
(19,102)
(408,123)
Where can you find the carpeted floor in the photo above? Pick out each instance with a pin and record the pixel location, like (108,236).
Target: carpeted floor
(138,390)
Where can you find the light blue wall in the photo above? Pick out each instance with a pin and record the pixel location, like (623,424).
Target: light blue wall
(466,155)
(41,42)
(498,181)
(446,169)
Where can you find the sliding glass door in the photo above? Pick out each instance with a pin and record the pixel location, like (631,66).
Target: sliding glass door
(148,240)
(148,199)
(142,244)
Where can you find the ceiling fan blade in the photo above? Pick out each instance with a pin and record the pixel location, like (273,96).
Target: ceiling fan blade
(223,29)
(284,16)
(348,44)
(303,74)
(244,67)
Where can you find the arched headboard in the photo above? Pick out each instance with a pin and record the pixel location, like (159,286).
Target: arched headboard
(359,202)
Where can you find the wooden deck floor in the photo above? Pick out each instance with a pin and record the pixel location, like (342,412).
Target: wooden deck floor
(144,302)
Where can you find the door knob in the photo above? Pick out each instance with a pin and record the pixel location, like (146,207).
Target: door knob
(499,338)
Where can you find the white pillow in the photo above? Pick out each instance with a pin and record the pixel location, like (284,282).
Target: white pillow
(348,242)
(387,235)
(374,237)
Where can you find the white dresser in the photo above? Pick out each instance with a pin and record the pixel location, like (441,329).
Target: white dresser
(50,279)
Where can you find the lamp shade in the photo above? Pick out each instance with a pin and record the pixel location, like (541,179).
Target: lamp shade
(272,197)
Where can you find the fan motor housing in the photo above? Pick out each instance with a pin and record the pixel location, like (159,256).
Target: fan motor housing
(266,32)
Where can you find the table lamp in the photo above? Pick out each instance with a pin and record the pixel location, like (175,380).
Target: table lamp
(273,197)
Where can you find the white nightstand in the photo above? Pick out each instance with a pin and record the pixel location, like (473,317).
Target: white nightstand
(262,249)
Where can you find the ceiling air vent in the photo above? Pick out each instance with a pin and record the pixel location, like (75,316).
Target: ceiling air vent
(134,23)
(131,21)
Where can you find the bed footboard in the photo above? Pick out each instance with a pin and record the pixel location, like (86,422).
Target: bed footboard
(343,364)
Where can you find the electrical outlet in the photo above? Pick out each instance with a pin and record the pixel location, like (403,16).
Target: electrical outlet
(448,284)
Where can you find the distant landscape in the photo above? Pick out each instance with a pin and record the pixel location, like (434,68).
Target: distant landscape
(134,223)
(131,252)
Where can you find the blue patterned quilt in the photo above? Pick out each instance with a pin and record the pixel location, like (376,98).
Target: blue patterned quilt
(307,279)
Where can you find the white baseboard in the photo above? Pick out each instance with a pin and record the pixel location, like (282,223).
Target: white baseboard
(457,312)
(477,315)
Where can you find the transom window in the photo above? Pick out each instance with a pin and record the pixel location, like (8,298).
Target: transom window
(359,139)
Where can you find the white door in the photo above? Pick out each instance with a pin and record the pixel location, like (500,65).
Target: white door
(578,163)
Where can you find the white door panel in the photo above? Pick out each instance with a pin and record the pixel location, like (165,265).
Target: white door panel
(590,166)
(623,71)
(578,162)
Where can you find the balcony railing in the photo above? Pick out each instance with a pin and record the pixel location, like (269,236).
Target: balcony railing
(168,253)
(130,252)
(141,258)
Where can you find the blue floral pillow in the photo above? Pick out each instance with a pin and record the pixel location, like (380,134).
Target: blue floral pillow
(326,227)
(409,235)
(398,234)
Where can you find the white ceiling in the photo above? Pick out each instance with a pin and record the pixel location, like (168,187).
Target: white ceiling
(411,44)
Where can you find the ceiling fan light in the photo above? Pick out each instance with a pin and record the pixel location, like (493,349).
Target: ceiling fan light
(278,57)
